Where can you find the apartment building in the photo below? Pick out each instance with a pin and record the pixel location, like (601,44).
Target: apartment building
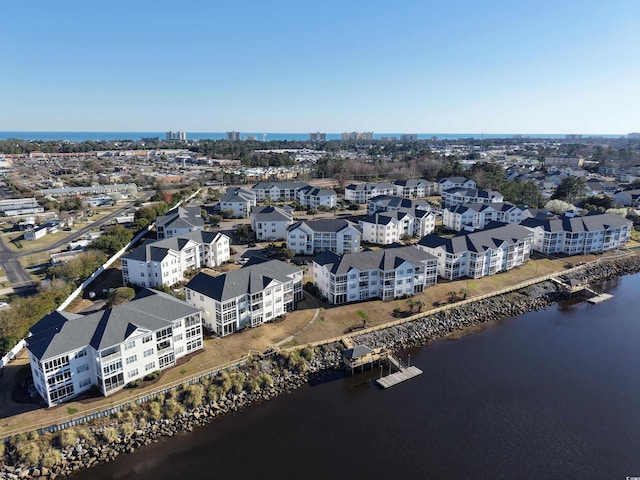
(480,253)
(448,183)
(459,196)
(238,200)
(308,237)
(389,203)
(314,197)
(475,216)
(573,235)
(387,274)
(69,353)
(270,223)
(179,221)
(385,228)
(246,297)
(277,191)
(362,192)
(415,188)
(164,262)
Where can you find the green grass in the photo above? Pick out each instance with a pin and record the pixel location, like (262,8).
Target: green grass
(362,315)
(71,410)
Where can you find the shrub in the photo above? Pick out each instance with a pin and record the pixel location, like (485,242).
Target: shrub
(213,393)
(127,429)
(154,412)
(28,452)
(52,458)
(110,435)
(265,379)
(194,396)
(307,353)
(172,408)
(225,382)
(67,438)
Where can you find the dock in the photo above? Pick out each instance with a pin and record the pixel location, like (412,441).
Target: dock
(603,297)
(406,373)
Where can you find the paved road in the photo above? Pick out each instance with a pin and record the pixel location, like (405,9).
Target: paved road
(20,280)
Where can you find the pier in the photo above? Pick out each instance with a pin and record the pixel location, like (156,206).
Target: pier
(573,286)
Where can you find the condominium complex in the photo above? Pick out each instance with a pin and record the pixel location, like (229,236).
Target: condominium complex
(246,297)
(179,221)
(385,274)
(573,235)
(69,353)
(480,253)
(312,236)
(165,262)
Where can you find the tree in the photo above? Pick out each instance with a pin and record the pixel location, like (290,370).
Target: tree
(120,295)
(420,304)
(570,189)
(405,237)
(286,253)
(411,302)
(112,240)
(558,206)
(453,296)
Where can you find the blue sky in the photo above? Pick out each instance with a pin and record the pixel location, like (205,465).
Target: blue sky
(291,66)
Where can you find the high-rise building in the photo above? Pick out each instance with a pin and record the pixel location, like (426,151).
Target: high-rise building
(233,136)
(317,137)
(408,137)
(179,135)
(347,136)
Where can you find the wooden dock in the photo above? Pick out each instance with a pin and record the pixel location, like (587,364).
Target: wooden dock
(603,297)
(407,373)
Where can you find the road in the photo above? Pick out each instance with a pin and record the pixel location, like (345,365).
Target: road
(20,280)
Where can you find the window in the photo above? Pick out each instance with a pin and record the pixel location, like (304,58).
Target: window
(178,337)
(129,345)
(83,368)
(81,353)
(132,373)
(148,353)
(150,366)
(147,338)
(84,383)
(131,359)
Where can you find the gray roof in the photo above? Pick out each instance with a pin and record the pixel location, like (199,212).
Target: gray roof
(594,222)
(454,179)
(59,332)
(238,195)
(280,185)
(412,182)
(472,192)
(357,352)
(324,225)
(384,218)
(367,187)
(181,217)
(316,191)
(270,213)
(399,202)
(386,259)
(479,241)
(157,250)
(248,279)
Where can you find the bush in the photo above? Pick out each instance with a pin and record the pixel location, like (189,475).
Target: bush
(28,452)
(307,353)
(154,412)
(67,438)
(110,435)
(194,396)
(127,429)
(52,458)
(172,408)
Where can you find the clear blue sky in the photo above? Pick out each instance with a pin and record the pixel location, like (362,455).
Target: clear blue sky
(295,66)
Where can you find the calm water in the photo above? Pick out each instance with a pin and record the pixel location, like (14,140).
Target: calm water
(112,136)
(551,394)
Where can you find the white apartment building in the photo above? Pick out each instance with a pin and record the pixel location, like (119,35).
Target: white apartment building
(389,203)
(415,188)
(164,262)
(69,353)
(480,253)
(239,200)
(277,191)
(19,206)
(179,221)
(460,196)
(270,223)
(361,192)
(573,235)
(246,297)
(454,182)
(308,237)
(387,274)
(385,228)
(314,197)
(476,216)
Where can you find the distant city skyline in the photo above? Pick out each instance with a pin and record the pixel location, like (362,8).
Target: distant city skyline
(493,67)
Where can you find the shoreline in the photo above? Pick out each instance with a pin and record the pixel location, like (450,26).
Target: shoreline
(288,373)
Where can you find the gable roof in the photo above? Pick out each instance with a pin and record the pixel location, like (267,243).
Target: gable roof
(593,222)
(270,213)
(248,279)
(480,240)
(181,217)
(60,332)
(386,259)
(156,251)
(323,225)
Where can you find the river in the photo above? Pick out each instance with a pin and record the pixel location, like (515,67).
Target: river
(550,394)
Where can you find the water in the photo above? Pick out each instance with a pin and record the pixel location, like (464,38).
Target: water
(113,136)
(550,394)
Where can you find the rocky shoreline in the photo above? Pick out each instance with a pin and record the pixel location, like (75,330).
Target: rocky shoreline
(87,451)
